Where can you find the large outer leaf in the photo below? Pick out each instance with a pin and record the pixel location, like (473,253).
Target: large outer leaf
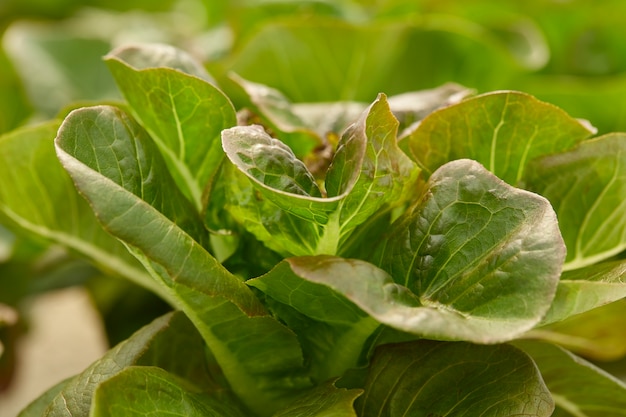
(139,391)
(583,289)
(502,131)
(587,187)
(152,345)
(427,378)
(183,113)
(37,196)
(477,250)
(579,388)
(119,170)
(367,171)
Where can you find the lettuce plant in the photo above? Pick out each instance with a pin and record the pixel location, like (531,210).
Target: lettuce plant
(417,255)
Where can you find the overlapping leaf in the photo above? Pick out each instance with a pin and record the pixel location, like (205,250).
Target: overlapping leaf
(476,260)
(479,254)
(427,378)
(120,171)
(183,113)
(587,187)
(367,172)
(502,130)
(578,387)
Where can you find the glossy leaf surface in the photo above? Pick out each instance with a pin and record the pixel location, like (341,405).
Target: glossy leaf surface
(473,250)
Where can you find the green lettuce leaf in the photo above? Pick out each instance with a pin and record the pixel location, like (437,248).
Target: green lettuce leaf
(120,171)
(367,172)
(141,390)
(474,249)
(586,186)
(428,378)
(502,130)
(183,113)
(579,388)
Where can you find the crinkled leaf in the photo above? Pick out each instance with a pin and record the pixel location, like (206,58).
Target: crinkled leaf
(579,388)
(183,113)
(142,390)
(120,171)
(367,171)
(325,400)
(270,162)
(597,334)
(146,347)
(584,289)
(37,196)
(502,130)
(587,187)
(427,378)
(479,254)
